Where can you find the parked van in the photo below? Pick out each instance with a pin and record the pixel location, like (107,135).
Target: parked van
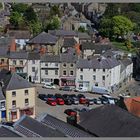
(100,90)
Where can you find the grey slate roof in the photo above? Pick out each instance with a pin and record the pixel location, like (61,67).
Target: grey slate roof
(126,62)
(110,121)
(33,128)
(64,127)
(69,42)
(6,41)
(43,38)
(6,132)
(62,33)
(68,58)
(19,34)
(2,97)
(83,36)
(18,55)
(13,81)
(4,52)
(50,58)
(106,63)
(33,56)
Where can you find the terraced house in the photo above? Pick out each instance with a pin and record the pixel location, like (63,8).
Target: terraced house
(19,95)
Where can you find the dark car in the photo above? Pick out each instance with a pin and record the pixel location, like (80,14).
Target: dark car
(67,101)
(66,88)
(70,112)
(51,96)
(65,96)
(42,96)
(90,101)
(103,101)
(75,100)
(73,96)
(58,96)
(81,96)
(97,101)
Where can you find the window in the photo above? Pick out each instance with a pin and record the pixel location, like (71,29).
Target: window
(94,70)
(46,64)
(96,84)
(2,61)
(2,104)
(71,72)
(21,62)
(13,103)
(14,62)
(81,70)
(56,64)
(64,72)
(64,65)
(71,65)
(13,94)
(56,72)
(26,102)
(26,92)
(46,72)
(33,61)
(103,70)
(103,77)
(94,77)
(81,77)
(33,69)
(14,115)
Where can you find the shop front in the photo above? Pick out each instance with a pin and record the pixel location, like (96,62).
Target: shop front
(67,81)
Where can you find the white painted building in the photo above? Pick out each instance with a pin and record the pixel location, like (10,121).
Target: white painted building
(33,68)
(50,67)
(103,72)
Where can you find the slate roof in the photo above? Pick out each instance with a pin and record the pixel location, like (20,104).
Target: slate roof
(126,62)
(64,127)
(19,34)
(33,56)
(50,58)
(83,36)
(99,48)
(13,81)
(4,52)
(69,58)
(43,38)
(2,97)
(62,33)
(69,42)
(110,121)
(33,128)
(6,132)
(106,63)
(6,41)
(18,55)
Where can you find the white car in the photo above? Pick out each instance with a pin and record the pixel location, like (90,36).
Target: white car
(49,86)
(81,89)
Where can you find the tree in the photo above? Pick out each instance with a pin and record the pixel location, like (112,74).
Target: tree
(53,24)
(105,27)
(81,29)
(16,18)
(121,26)
(55,11)
(19,7)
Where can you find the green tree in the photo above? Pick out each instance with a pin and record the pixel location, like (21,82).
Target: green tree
(82,29)
(55,11)
(19,7)
(16,18)
(121,25)
(53,23)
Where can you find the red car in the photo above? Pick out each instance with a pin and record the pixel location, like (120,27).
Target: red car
(70,112)
(83,101)
(51,101)
(60,101)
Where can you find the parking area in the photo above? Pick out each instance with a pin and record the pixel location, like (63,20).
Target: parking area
(58,110)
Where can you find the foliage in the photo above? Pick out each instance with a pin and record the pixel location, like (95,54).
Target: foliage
(19,7)
(53,24)
(55,11)
(82,29)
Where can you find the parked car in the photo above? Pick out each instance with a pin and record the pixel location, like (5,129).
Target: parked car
(42,96)
(97,101)
(75,100)
(60,101)
(49,86)
(82,100)
(68,101)
(81,89)
(65,95)
(51,102)
(81,96)
(65,88)
(103,101)
(51,96)
(90,101)
(57,95)
(70,112)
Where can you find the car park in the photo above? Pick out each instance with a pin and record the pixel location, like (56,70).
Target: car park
(97,101)
(51,102)
(82,100)
(70,112)
(81,96)
(75,100)
(90,101)
(60,101)
(68,101)
(57,95)
(51,96)
(42,96)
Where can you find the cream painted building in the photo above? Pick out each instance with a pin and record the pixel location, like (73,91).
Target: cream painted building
(19,94)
